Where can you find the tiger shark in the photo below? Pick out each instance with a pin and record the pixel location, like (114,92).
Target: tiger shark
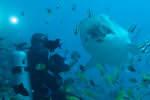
(106,41)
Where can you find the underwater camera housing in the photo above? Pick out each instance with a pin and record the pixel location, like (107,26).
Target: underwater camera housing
(52,45)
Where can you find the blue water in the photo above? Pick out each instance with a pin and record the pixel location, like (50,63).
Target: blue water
(62,25)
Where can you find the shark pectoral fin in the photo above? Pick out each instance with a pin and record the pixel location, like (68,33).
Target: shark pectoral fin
(92,63)
(134,50)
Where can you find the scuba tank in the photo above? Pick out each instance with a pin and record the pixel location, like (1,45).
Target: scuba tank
(21,74)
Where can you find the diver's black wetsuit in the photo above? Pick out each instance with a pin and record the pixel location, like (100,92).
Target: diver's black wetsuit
(44,84)
(45,80)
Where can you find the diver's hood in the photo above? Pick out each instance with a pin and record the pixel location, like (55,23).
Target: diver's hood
(38,38)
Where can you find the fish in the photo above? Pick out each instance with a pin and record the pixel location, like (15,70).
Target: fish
(81,68)
(132,28)
(145,78)
(116,74)
(102,38)
(121,95)
(74,7)
(93,84)
(58,6)
(20,89)
(40,67)
(90,13)
(101,69)
(72,97)
(133,80)
(139,58)
(130,66)
(48,21)
(130,93)
(82,77)
(110,79)
(76,29)
(49,11)
(144,47)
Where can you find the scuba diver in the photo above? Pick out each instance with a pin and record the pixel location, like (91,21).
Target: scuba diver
(45,68)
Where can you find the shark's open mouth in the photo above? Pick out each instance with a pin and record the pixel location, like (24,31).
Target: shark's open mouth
(98,33)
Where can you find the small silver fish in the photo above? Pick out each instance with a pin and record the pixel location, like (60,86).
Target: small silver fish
(90,13)
(133,80)
(74,7)
(49,11)
(58,6)
(145,46)
(132,28)
(76,30)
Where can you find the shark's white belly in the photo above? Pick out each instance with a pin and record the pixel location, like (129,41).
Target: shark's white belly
(113,48)
(110,52)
